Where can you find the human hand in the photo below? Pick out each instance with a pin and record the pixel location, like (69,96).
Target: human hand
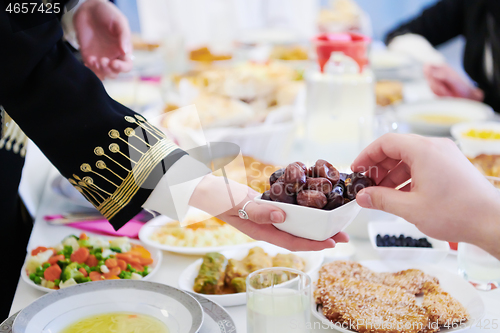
(103,33)
(261,216)
(448,198)
(445,82)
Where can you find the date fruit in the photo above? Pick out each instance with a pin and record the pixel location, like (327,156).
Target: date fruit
(355,183)
(266,195)
(319,184)
(276,175)
(325,170)
(310,198)
(280,192)
(334,200)
(295,176)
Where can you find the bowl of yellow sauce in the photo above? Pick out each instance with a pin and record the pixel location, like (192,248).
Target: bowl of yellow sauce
(478,138)
(436,117)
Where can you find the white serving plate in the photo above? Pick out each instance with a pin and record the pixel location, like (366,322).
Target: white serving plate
(473,147)
(186,280)
(313,223)
(437,253)
(464,108)
(452,283)
(156,254)
(148,229)
(179,311)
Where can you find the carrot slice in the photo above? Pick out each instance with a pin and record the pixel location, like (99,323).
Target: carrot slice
(146,261)
(96,276)
(115,271)
(141,250)
(123,256)
(137,267)
(52,273)
(80,255)
(91,261)
(112,277)
(83,236)
(54,259)
(110,263)
(38,250)
(134,260)
(122,264)
(84,272)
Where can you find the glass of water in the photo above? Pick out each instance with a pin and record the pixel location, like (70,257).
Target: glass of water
(278,300)
(478,267)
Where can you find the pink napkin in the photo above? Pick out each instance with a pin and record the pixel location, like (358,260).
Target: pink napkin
(131,229)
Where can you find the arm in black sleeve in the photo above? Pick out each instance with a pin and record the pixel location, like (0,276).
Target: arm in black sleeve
(112,155)
(438,24)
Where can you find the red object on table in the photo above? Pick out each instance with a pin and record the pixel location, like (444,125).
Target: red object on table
(453,246)
(351,44)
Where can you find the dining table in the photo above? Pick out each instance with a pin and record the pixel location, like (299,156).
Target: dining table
(173,264)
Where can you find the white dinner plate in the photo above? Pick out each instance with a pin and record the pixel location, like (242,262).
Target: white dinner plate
(156,254)
(148,229)
(452,283)
(178,310)
(465,109)
(186,280)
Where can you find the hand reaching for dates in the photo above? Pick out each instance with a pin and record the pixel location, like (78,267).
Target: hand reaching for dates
(321,186)
(448,198)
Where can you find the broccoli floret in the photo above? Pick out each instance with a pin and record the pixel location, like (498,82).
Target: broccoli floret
(71,271)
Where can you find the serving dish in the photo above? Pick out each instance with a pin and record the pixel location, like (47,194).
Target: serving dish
(438,252)
(149,228)
(186,280)
(178,310)
(436,117)
(313,223)
(452,283)
(156,255)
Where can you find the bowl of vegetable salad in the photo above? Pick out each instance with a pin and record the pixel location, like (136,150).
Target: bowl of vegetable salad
(89,258)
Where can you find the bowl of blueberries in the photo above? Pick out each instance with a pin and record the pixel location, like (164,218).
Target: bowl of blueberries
(319,201)
(401,240)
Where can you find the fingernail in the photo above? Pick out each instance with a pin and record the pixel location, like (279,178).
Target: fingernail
(277,217)
(364,200)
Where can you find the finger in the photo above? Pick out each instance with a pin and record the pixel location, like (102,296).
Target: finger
(388,200)
(341,237)
(104,65)
(121,66)
(380,171)
(120,28)
(264,214)
(397,176)
(393,146)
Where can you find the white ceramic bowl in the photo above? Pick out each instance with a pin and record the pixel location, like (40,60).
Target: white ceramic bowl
(438,252)
(178,310)
(465,109)
(313,223)
(473,147)
(186,281)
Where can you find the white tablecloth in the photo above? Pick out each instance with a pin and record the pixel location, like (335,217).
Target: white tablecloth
(174,264)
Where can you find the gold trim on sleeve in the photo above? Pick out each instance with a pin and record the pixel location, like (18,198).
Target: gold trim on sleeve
(11,135)
(144,162)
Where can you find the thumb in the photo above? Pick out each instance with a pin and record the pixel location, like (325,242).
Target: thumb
(388,200)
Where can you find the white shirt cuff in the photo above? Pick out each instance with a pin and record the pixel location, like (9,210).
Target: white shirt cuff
(69,27)
(170,197)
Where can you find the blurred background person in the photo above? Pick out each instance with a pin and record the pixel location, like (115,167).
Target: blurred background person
(478,22)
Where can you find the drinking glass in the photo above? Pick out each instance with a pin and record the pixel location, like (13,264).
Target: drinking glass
(278,300)
(478,267)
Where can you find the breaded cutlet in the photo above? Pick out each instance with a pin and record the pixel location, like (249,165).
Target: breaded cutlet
(411,280)
(441,307)
(371,307)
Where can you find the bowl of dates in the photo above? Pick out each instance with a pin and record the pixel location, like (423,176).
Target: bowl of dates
(319,201)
